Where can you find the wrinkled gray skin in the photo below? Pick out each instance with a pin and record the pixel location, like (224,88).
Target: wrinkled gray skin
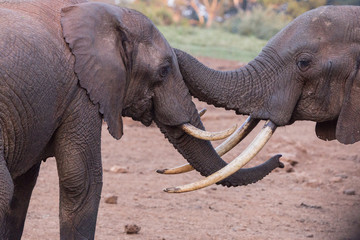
(64,69)
(308,71)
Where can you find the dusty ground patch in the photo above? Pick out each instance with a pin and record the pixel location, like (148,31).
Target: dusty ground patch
(307,202)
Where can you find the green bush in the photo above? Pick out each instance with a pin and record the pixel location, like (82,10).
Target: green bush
(259,22)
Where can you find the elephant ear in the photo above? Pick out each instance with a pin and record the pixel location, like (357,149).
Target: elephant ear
(96,37)
(348,126)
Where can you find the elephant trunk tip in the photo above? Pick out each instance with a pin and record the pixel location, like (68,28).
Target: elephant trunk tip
(161,171)
(281,165)
(254,174)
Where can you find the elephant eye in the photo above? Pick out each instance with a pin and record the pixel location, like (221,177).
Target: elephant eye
(303,65)
(164,71)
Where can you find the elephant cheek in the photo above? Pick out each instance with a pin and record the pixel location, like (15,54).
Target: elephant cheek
(140,111)
(171,115)
(173,110)
(282,103)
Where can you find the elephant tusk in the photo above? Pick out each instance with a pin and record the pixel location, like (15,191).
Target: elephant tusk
(202,112)
(237,136)
(223,148)
(176,170)
(205,135)
(250,152)
(183,168)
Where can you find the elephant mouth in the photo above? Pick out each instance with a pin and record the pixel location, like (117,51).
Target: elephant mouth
(142,112)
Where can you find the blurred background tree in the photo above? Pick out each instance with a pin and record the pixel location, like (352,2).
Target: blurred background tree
(211,7)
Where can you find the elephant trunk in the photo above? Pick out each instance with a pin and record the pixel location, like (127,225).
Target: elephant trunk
(202,156)
(219,87)
(249,90)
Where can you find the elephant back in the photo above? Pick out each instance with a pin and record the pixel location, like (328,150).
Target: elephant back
(46,12)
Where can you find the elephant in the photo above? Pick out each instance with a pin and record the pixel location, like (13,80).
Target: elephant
(307,71)
(67,65)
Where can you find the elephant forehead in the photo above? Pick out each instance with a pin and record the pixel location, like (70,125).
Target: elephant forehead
(139,26)
(153,54)
(333,21)
(319,27)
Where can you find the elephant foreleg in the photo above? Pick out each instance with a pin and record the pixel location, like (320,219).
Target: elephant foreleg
(15,217)
(6,193)
(78,158)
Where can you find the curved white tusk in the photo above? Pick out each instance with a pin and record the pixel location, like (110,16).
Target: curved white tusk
(223,148)
(237,136)
(205,135)
(257,144)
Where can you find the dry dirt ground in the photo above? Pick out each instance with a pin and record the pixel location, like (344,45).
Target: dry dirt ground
(304,201)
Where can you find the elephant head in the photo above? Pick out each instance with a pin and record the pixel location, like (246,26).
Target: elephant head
(128,69)
(308,71)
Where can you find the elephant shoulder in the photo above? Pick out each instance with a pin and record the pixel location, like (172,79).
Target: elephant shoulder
(35,24)
(33,43)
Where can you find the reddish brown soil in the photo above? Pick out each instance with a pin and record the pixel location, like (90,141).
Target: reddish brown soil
(307,203)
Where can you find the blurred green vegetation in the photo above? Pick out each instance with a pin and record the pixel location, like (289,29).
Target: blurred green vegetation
(239,31)
(213,42)
(294,7)
(261,22)
(156,10)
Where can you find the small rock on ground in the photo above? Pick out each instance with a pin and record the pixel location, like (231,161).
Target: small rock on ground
(111,199)
(349,192)
(132,229)
(288,167)
(118,169)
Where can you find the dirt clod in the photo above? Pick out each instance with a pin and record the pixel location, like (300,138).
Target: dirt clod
(111,199)
(310,206)
(132,229)
(289,168)
(119,169)
(349,192)
(292,162)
